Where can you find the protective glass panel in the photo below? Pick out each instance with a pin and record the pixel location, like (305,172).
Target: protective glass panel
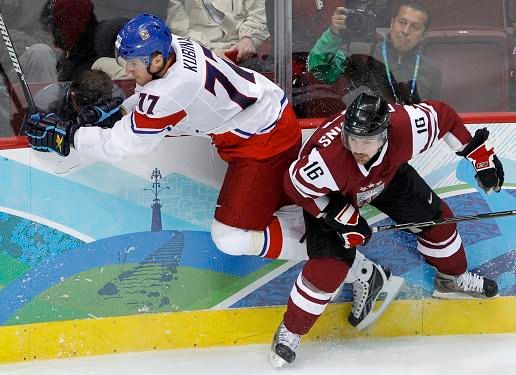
(464,56)
(451,50)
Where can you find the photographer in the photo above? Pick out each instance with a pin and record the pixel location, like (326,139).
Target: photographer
(398,51)
(89,98)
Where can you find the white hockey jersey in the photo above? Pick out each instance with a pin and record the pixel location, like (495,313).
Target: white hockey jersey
(200,94)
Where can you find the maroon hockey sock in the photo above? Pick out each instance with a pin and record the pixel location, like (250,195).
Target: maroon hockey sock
(455,264)
(442,246)
(307,303)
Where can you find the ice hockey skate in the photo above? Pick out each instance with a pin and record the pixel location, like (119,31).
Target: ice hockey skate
(283,348)
(466,286)
(374,281)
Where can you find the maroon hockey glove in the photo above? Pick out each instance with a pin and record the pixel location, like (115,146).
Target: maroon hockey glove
(480,153)
(346,220)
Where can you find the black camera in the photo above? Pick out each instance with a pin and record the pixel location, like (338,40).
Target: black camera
(361,21)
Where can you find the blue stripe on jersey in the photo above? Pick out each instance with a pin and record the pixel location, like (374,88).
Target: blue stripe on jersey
(265,243)
(269,127)
(244,133)
(283,104)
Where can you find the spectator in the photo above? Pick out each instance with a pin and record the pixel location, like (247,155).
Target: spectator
(105,37)
(30,40)
(37,58)
(510,6)
(366,74)
(66,99)
(398,51)
(234,28)
(76,31)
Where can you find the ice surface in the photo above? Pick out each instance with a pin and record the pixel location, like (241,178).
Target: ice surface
(468,355)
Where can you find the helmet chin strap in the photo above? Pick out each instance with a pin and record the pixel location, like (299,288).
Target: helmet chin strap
(375,157)
(158,75)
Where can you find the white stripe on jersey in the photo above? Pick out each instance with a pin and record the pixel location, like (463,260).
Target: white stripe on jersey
(313,179)
(453,142)
(301,189)
(434,122)
(309,137)
(423,120)
(322,203)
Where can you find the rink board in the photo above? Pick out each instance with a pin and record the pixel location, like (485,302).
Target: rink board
(81,272)
(245,326)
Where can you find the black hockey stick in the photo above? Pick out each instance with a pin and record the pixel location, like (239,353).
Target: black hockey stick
(445,220)
(32,109)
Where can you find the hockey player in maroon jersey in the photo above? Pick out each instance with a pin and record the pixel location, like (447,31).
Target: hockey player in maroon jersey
(360,157)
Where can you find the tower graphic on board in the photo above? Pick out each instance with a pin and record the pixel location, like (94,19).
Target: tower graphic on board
(156,203)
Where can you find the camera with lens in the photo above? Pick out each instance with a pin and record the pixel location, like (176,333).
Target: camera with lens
(361,20)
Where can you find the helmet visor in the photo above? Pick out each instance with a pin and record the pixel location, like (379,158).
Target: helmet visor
(133,62)
(364,146)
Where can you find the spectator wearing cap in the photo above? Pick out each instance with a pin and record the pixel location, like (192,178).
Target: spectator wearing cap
(76,30)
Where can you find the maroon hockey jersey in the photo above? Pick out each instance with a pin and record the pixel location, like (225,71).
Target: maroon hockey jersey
(325,165)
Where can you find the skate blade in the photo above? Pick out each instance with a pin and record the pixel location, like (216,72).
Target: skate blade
(391,289)
(458,295)
(275,360)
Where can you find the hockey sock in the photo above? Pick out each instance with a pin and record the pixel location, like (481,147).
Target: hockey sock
(442,247)
(312,292)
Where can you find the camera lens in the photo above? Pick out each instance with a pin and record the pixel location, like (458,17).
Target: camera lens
(355,22)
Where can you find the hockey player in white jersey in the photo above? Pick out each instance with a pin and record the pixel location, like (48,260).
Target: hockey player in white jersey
(182,88)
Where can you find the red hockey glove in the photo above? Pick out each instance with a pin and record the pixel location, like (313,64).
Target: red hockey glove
(360,237)
(480,153)
(346,220)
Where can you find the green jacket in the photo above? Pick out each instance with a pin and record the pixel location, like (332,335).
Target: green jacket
(327,62)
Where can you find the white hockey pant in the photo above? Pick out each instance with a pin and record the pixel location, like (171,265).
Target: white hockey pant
(280,240)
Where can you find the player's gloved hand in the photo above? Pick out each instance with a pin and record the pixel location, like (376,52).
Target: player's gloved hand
(480,153)
(104,113)
(346,220)
(46,132)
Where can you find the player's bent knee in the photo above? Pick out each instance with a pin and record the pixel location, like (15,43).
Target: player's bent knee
(236,241)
